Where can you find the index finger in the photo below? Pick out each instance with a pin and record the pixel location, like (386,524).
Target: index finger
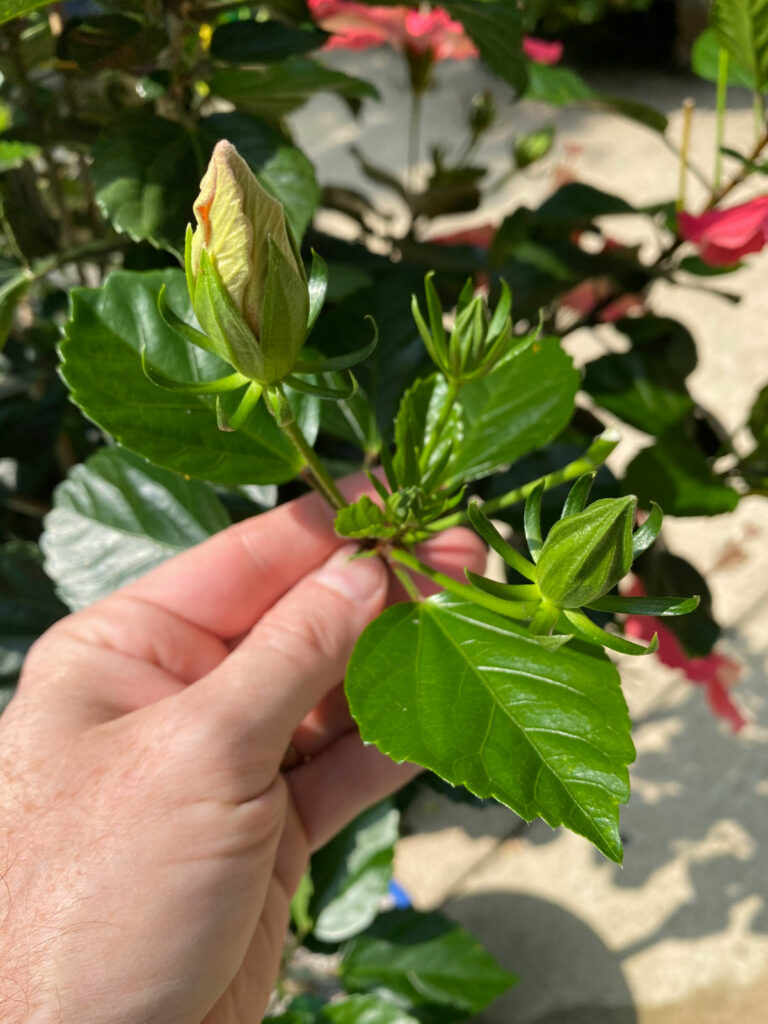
(225,584)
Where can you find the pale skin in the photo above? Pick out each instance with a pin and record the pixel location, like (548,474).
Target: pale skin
(149,839)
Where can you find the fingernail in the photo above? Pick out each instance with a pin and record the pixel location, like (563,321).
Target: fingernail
(356,579)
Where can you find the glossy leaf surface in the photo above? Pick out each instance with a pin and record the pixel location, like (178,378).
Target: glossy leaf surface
(101,363)
(475,699)
(351,874)
(116,517)
(520,406)
(425,961)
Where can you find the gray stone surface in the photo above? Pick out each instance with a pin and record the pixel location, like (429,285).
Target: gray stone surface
(680,934)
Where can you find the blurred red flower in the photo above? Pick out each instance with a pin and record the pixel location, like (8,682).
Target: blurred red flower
(716,672)
(541,50)
(356,26)
(724,236)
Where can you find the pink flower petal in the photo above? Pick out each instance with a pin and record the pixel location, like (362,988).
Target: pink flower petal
(542,51)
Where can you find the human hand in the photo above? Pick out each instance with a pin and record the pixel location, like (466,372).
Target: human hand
(150,842)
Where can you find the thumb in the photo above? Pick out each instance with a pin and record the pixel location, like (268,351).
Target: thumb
(289,661)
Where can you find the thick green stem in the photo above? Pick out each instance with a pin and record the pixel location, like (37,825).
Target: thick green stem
(520,610)
(593,458)
(319,477)
(722,96)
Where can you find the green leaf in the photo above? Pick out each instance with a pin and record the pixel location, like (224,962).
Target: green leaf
(419,416)
(145,175)
(675,473)
(260,42)
(524,403)
(741,27)
(15,8)
(116,517)
(646,385)
(13,154)
(545,732)
(496,28)
(560,86)
(101,363)
(704,61)
(273,91)
(577,204)
(351,874)
(365,1010)
(28,605)
(425,962)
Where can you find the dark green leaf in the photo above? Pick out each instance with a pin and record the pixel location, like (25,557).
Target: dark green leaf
(646,385)
(276,90)
(116,517)
(546,733)
(496,28)
(579,204)
(15,8)
(741,26)
(351,875)
(145,175)
(675,473)
(259,42)
(704,60)
(521,405)
(102,366)
(421,414)
(112,41)
(28,605)
(425,961)
(696,265)
(556,85)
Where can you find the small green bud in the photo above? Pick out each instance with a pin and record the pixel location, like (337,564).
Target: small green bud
(245,276)
(586,554)
(534,146)
(478,340)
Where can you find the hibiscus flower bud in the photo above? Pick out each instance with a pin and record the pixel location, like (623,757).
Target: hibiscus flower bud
(587,553)
(244,273)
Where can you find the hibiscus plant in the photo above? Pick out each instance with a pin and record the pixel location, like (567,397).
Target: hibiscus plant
(182,346)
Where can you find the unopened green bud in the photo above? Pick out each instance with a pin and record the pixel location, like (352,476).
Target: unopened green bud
(245,276)
(586,554)
(534,146)
(478,340)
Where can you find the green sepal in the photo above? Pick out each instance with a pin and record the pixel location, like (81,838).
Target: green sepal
(554,641)
(659,607)
(187,332)
(646,534)
(317,287)
(578,495)
(246,407)
(231,382)
(221,320)
(545,620)
(586,629)
(507,591)
(532,520)
(494,540)
(501,321)
(344,362)
(387,465)
(435,314)
(284,316)
(188,263)
(378,486)
(325,391)
(586,554)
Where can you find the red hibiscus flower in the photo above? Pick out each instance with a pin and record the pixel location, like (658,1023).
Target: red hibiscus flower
(541,50)
(724,236)
(356,26)
(716,672)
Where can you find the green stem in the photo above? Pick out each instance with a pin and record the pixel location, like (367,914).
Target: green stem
(521,610)
(321,479)
(593,458)
(722,96)
(685,145)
